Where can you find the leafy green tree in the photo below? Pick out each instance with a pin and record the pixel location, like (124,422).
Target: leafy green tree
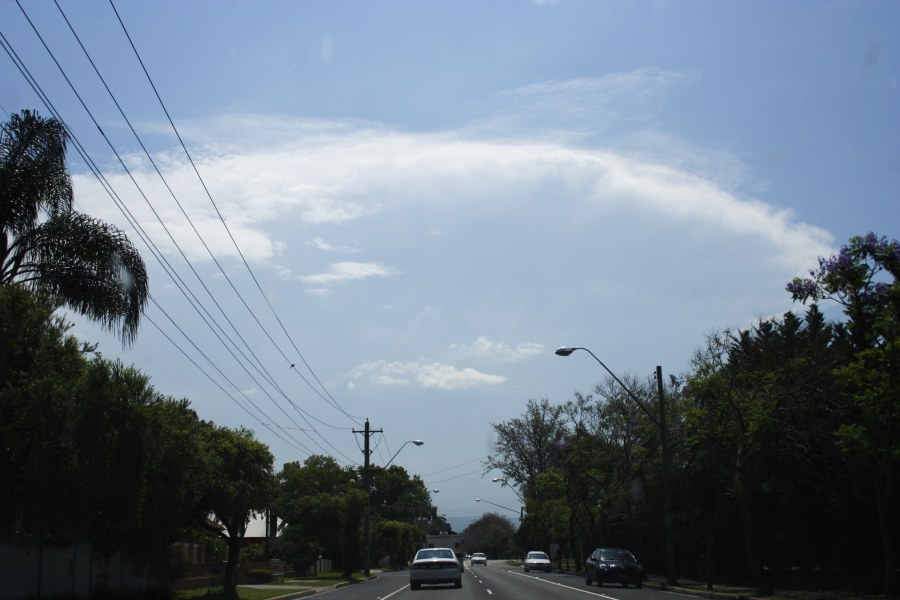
(90,450)
(492,534)
(764,407)
(863,279)
(399,497)
(316,501)
(397,540)
(526,445)
(83,262)
(39,365)
(238,484)
(547,513)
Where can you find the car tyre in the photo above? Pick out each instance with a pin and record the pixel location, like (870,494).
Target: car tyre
(458,583)
(414,586)
(587,579)
(639,584)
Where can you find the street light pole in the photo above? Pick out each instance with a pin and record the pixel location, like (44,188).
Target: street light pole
(660,422)
(367,484)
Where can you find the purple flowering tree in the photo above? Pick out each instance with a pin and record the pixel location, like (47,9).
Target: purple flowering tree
(863,279)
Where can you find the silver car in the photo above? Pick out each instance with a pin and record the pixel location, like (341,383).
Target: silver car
(433,566)
(478,558)
(537,561)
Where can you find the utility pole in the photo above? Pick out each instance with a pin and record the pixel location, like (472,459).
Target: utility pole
(367,484)
(671,577)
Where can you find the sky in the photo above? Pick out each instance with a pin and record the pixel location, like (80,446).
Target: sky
(398,210)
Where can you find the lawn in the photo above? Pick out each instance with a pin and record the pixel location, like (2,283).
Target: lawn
(285,587)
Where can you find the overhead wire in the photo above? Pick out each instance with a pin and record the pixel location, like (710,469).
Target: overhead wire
(32,81)
(261,369)
(231,236)
(96,171)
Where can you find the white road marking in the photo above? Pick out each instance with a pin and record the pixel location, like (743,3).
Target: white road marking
(568,587)
(395,592)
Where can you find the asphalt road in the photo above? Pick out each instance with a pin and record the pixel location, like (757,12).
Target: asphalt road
(497,581)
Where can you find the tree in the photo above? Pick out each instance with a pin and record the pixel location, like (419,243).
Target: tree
(492,534)
(39,365)
(526,446)
(763,409)
(864,279)
(90,451)
(314,499)
(397,540)
(82,262)
(239,483)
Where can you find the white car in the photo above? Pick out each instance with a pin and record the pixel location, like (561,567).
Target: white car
(478,558)
(434,565)
(537,561)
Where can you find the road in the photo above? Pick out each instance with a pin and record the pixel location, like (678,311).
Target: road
(497,581)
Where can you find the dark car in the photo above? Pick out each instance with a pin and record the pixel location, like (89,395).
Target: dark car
(613,565)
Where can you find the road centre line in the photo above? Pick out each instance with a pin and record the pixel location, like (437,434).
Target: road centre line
(568,587)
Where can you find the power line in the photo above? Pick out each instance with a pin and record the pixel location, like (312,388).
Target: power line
(24,70)
(231,237)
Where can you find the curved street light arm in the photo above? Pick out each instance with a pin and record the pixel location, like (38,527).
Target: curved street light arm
(497,505)
(416,442)
(566,351)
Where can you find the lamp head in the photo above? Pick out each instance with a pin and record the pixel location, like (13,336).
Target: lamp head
(564,351)
(418,442)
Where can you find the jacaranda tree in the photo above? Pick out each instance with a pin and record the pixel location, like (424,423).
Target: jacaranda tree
(863,279)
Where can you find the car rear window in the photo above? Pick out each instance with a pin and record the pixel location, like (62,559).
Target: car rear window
(434,554)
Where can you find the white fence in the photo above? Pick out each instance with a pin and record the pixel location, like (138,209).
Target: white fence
(75,571)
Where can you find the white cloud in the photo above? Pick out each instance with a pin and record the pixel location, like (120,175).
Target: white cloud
(274,177)
(499,351)
(348,271)
(432,375)
(321,244)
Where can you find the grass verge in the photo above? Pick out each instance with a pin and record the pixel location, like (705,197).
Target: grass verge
(285,587)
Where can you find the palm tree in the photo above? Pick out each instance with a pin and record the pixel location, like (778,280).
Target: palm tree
(80,261)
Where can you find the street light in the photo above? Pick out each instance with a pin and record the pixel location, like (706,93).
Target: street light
(416,442)
(504,482)
(660,422)
(521,510)
(497,505)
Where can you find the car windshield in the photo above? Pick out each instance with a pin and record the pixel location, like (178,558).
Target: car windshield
(434,553)
(479,555)
(616,554)
(537,555)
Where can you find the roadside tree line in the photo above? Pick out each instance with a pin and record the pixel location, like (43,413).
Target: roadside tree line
(783,440)
(89,450)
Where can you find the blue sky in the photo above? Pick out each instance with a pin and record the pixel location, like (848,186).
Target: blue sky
(433,196)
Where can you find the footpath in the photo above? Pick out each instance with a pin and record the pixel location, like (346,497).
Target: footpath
(736,592)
